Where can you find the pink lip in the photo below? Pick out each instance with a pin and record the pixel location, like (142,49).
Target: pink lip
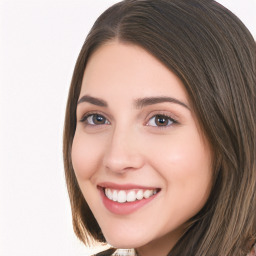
(123,208)
(123,186)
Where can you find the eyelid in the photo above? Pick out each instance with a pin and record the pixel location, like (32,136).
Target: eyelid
(168,115)
(90,113)
(169,120)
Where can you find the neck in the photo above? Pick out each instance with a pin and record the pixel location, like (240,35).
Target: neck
(161,246)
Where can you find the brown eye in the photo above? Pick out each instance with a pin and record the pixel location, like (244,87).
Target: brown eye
(95,119)
(160,120)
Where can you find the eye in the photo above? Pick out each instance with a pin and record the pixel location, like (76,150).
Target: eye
(161,120)
(95,119)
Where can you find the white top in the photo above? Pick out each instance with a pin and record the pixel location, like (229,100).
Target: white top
(125,252)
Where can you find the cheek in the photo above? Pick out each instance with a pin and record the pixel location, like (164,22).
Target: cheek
(85,156)
(184,153)
(185,163)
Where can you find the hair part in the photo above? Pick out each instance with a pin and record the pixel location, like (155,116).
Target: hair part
(214,55)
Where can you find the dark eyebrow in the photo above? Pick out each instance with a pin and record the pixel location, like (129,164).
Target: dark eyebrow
(92,100)
(140,103)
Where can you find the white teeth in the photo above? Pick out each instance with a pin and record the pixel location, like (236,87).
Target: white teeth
(139,195)
(148,193)
(114,196)
(109,193)
(131,196)
(122,196)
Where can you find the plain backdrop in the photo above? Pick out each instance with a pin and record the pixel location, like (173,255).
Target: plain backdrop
(39,44)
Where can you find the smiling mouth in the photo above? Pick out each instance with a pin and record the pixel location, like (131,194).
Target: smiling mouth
(131,195)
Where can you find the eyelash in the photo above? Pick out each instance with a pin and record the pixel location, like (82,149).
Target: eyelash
(163,117)
(85,119)
(171,121)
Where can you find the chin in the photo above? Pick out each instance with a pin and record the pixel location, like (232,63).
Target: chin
(125,242)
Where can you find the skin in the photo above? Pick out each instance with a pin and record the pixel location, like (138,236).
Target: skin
(131,146)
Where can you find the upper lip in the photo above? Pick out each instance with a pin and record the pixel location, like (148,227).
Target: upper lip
(123,186)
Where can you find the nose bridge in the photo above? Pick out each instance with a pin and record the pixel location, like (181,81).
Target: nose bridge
(123,152)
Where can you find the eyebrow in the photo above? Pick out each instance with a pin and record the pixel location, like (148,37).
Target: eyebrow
(139,103)
(92,100)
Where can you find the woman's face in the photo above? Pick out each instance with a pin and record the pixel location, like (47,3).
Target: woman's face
(141,161)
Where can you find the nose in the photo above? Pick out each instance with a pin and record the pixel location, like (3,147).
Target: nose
(124,152)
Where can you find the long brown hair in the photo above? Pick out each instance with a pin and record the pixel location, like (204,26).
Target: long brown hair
(214,55)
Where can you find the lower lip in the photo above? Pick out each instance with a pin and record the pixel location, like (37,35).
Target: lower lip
(124,208)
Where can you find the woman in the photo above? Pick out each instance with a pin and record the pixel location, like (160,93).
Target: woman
(159,140)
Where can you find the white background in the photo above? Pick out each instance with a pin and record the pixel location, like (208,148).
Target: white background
(39,44)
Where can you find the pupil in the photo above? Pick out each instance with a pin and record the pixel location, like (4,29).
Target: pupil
(97,119)
(161,120)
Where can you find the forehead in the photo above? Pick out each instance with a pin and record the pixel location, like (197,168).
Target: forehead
(127,69)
